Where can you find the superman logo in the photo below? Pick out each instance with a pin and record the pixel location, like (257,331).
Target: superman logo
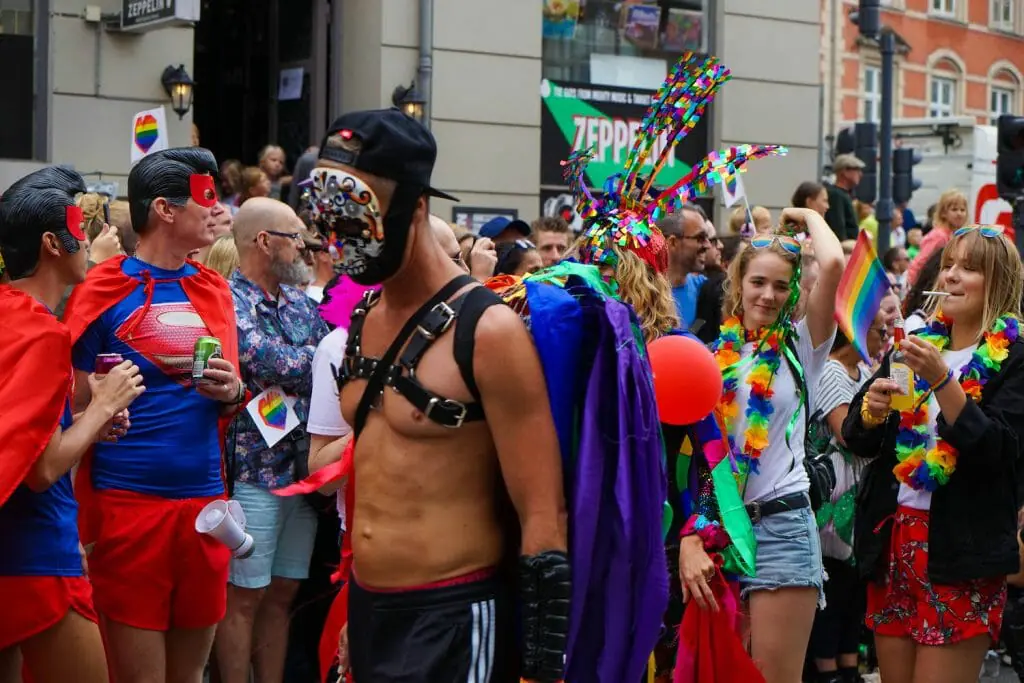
(166,337)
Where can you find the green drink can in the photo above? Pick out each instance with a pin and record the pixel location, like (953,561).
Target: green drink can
(206,348)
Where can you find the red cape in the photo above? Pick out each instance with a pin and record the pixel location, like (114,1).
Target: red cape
(106,286)
(36,382)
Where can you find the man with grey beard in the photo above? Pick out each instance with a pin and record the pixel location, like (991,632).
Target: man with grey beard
(267,446)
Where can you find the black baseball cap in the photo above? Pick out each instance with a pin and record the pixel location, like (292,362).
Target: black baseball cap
(391,144)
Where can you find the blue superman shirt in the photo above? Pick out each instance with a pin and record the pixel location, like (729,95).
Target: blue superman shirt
(39,531)
(172,449)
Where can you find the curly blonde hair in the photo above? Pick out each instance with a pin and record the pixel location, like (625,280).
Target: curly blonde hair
(646,291)
(732,302)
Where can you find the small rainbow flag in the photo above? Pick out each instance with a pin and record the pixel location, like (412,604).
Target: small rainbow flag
(861,290)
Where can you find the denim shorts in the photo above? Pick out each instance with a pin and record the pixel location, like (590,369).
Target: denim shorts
(788,554)
(283,529)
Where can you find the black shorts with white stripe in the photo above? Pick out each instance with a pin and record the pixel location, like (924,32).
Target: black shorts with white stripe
(463,633)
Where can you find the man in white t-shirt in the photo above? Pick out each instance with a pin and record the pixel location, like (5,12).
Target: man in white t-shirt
(328,432)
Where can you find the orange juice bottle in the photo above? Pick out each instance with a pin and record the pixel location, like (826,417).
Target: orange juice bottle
(900,372)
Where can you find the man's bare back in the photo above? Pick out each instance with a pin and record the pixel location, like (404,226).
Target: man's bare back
(426,508)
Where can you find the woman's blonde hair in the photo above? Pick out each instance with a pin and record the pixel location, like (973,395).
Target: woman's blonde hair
(223,255)
(251,177)
(999,260)
(646,291)
(92,205)
(732,302)
(946,200)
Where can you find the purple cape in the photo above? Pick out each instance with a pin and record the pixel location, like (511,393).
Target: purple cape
(616,485)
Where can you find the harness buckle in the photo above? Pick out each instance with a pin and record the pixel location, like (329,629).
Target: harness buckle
(446,312)
(448,404)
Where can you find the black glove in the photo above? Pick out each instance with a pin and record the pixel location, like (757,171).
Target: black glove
(545,587)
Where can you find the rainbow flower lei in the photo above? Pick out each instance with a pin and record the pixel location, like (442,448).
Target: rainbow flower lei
(767,359)
(927,470)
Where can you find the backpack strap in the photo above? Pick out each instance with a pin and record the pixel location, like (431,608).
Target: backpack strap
(478,300)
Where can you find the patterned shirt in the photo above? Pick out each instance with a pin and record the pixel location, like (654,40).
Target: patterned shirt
(276,343)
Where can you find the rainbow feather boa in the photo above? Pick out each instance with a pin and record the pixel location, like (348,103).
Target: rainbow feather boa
(759,411)
(927,470)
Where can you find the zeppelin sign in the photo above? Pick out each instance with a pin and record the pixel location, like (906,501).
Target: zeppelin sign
(143,15)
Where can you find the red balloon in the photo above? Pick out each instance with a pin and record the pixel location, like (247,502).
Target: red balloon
(687,380)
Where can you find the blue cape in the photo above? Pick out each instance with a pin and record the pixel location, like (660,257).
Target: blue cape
(602,399)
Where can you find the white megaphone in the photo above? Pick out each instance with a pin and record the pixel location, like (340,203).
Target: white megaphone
(225,521)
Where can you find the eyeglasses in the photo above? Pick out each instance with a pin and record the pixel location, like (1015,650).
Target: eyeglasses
(699,239)
(297,237)
(525,244)
(786,242)
(985,230)
(457,259)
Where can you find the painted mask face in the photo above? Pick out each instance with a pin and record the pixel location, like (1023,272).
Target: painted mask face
(345,205)
(201,187)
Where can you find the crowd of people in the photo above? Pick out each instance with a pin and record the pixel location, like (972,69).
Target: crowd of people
(324,289)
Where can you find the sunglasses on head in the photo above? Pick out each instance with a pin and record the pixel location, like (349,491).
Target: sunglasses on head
(786,242)
(985,230)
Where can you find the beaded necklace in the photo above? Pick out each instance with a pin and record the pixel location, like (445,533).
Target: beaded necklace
(926,470)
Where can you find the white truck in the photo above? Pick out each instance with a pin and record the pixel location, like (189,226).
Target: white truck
(956,153)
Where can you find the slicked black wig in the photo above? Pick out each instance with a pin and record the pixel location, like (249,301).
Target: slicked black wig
(32,206)
(165,174)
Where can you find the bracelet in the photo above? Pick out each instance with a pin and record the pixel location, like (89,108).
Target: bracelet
(868,418)
(943,382)
(241,394)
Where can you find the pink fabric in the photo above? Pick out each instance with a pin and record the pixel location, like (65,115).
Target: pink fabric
(341,301)
(710,650)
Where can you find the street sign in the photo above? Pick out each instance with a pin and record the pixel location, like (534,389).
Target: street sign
(145,15)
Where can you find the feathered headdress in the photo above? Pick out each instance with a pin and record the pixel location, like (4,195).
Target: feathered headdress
(625,215)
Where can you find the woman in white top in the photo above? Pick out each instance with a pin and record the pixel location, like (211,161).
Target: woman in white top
(935,528)
(768,364)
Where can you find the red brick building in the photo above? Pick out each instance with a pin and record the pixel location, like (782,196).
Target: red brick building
(955,58)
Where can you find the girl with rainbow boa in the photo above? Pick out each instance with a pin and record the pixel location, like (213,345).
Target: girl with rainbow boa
(935,527)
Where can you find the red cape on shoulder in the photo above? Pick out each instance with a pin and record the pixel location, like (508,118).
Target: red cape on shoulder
(107,285)
(35,382)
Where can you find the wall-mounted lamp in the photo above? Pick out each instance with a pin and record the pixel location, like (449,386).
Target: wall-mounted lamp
(178,85)
(409,100)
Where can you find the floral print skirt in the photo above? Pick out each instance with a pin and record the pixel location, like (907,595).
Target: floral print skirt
(908,605)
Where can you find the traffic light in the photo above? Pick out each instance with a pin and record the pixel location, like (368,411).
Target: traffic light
(1010,162)
(868,18)
(865,137)
(845,143)
(903,181)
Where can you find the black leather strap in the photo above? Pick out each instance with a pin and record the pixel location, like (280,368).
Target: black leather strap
(375,383)
(478,300)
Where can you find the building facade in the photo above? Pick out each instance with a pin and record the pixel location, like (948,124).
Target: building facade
(954,59)
(507,82)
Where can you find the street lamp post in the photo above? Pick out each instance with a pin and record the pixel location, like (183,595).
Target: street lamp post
(179,87)
(409,101)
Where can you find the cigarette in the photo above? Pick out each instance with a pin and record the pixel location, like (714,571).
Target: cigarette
(927,293)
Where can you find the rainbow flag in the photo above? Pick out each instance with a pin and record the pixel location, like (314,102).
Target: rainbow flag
(860,294)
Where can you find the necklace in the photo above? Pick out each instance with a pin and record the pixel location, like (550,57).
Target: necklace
(759,409)
(926,470)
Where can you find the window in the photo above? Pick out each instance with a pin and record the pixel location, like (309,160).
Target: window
(17,54)
(608,42)
(1001,14)
(946,8)
(1001,102)
(942,100)
(872,94)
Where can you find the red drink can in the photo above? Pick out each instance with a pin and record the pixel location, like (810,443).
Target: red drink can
(105,362)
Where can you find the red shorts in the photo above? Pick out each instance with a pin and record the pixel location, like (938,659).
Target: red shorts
(32,604)
(150,568)
(908,605)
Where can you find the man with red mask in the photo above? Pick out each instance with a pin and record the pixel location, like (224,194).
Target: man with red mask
(159,586)
(46,599)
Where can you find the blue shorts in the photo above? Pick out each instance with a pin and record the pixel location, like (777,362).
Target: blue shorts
(788,553)
(283,529)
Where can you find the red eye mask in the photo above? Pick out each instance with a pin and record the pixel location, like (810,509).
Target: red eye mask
(73,217)
(202,189)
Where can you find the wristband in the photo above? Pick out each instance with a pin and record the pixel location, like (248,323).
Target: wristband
(241,394)
(711,533)
(868,418)
(545,587)
(943,382)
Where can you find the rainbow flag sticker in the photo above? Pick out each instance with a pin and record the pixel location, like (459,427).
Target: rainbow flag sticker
(146,131)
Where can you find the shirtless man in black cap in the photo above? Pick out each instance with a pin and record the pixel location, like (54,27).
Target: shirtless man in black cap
(465,428)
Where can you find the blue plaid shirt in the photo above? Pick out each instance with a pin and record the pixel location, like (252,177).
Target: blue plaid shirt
(276,343)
